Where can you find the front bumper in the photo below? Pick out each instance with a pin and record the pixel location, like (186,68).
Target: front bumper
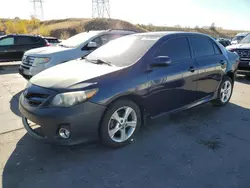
(28,71)
(244,67)
(83,121)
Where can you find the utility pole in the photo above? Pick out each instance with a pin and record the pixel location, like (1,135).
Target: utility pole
(100,9)
(38,9)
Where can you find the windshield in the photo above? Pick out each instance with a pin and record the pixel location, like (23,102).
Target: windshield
(246,39)
(77,40)
(238,38)
(124,51)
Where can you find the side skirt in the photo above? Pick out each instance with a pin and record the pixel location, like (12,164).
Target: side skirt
(196,103)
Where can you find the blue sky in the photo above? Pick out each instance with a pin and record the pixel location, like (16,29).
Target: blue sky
(231,14)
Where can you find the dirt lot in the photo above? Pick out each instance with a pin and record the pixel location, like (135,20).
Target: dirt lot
(205,147)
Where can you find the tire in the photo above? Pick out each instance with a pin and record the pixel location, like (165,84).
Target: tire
(220,101)
(127,128)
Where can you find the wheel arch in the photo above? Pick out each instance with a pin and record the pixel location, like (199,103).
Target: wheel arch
(132,97)
(231,75)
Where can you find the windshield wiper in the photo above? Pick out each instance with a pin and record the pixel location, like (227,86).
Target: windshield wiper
(62,45)
(100,61)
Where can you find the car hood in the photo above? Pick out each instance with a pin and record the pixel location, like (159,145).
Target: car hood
(47,51)
(70,74)
(239,46)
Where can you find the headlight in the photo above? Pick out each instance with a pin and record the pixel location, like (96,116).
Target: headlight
(72,98)
(40,60)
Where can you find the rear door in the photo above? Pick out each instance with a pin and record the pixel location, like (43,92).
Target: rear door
(25,43)
(6,48)
(211,64)
(174,86)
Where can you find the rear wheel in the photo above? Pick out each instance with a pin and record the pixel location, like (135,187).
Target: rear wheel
(225,92)
(120,123)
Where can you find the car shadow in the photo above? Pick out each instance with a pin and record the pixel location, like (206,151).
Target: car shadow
(161,155)
(14,104)
(243,79)
(12,70)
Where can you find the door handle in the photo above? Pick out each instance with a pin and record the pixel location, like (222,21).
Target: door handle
(222,62)
(191,69)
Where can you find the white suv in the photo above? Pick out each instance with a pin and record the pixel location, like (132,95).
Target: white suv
(80,45)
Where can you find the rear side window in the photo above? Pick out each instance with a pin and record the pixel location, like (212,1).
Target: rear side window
(27,40)
(216,49)
(7,41)
(202,46)
(177,49)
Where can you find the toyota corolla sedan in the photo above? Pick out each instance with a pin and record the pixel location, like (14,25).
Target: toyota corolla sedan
(108,94)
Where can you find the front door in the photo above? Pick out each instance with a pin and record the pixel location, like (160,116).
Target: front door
(211,65)
(175,85)
(6,48)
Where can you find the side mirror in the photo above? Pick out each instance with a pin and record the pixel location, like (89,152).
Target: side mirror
(92,45)
(161,61)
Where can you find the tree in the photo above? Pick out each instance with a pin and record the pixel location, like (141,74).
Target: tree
(10,27)
(212,27)
(2,28)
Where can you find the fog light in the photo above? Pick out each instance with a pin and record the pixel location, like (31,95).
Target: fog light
(64,133)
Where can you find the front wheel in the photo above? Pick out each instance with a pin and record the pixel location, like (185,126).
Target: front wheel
(225,92)
(120,123)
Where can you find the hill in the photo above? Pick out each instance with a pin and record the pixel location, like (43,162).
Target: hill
(65,28)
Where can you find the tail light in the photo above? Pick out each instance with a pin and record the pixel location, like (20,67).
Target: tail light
(47,44)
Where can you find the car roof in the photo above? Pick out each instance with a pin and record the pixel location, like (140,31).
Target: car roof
(166,33)
(50,37)
(23,35)
(121,31)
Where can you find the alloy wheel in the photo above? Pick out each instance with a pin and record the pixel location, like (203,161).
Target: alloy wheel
(122,124)
(226,91)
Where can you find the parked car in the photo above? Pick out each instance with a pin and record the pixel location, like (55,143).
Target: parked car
(80,45)
(238,38)
(53,41)
(224,42)
(110,92)
(12,47)
(2,33)
(243,50)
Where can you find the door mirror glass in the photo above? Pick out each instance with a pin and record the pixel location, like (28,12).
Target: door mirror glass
(161,61)
(92,45)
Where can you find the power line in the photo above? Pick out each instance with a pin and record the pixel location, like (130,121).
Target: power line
(38,9)
(100,9)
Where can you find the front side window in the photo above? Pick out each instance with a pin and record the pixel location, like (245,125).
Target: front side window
(7,41)
(202,46)
(176,49)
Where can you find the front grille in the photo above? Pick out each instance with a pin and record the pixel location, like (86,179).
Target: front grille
(27,61)
(35,99)
(245,68)
(244,54)
(25,67)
